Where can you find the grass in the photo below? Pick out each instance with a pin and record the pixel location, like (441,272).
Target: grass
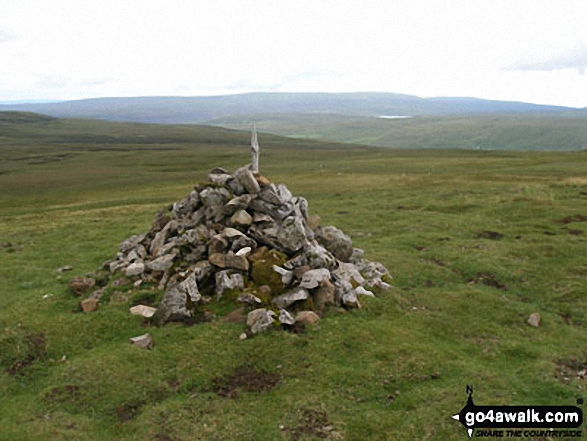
(472,132)
(71,191)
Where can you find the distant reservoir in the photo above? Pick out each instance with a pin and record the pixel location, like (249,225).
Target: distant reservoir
(394,116)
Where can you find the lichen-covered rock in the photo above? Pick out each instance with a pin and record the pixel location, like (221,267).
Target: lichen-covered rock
(289,298)
(135,268)
(335,241)
(285,317)
(178,301)
(228,281)
(311,279)
(260,320)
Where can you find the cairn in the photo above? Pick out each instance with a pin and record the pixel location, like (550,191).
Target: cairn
(240,237)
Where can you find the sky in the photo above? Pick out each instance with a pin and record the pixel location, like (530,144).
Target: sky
(516,50)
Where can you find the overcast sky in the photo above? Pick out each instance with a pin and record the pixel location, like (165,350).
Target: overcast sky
(533,51)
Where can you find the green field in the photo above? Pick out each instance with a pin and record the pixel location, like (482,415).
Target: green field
(476,241)
(542,132)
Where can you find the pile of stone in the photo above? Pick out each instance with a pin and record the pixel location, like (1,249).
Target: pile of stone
(241,238)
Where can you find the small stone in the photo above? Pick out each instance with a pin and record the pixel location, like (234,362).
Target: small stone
(243,336)
(134,269)
(534,320)
(231,233)
(137,283)
(286,275)
(89,305)
(307,317)
(249,299)
(143,310)
(285,317)
(362,291)
(79,285)
(144,341)
(259,320)
(262,180)
(65,268)
(244,252)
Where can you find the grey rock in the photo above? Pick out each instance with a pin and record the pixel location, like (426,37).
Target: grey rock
(318,257)
(292,235)
(220,178)
(131,243)
(218,244)
(359,290)
(229,260)
(313,278)
(243,242)
(247,180)
(348,272)
(357,255)
(236,187)
(162,263)
(284,194)
(65,268)
(238,203)
(157,242)
(285,317)
(335,241)
(372,270)
(350,300)
(278,212)
(178,301)
(262,217)
(202,270)
(214,197)
(289,298)
(228,280)
(269,194)
(187,205)
(260,320)
(286,275)
(144,341)
(134,269)
(249,299)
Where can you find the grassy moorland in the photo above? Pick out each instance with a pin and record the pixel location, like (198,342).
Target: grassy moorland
(476,242)
(542,132)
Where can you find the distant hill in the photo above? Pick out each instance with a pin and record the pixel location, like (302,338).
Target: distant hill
(181,110)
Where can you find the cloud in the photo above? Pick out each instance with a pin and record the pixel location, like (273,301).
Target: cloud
(573,58)
(7,36)
(52,82)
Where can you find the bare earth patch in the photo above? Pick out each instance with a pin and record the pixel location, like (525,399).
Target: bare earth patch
(247,379)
